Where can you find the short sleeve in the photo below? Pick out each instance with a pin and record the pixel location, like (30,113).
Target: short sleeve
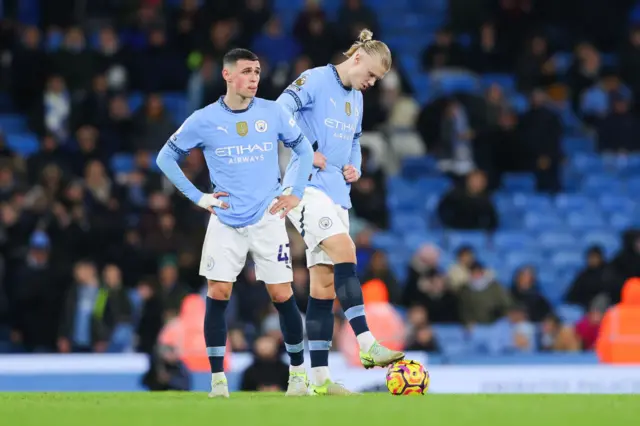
(302,90)
(289,132)
(188,135)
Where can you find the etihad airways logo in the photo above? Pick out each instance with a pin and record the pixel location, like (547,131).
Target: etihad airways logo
(249,153)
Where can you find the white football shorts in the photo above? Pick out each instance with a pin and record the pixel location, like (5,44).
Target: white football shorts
(317,218)
(225,250)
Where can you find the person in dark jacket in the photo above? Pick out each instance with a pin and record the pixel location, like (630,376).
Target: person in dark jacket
(526,293)
(267,372)
(166,371)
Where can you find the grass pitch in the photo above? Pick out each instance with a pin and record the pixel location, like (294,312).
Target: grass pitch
(251,409)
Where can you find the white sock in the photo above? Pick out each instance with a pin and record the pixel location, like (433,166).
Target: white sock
(217,377)
(365,340)
(296,368)
(319,375)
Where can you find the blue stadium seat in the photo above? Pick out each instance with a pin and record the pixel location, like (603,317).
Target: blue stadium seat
(481,337)
(478,240)
(503,201)
(615,203)
(587,163)
(512,240)
(585,220)
(570,314)
(533,202)
(567,259)
(23,144)
(546,276)
(572,202)
(447,83)
(122,163)
(490,259)
(633,186)
(452,338)
(556,240)
(406,223)
(620,222)
(540,221)
(414,240)
(432,202)
(433,185)
(597,184)
(556,291)
(12,123)
(415,167)
(518,259)
(403,195)
(398,262)
(577,145)
(518,182)
(386,241)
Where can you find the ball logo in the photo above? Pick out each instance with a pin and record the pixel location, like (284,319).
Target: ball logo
(261,126)
(325,223)
(300,81)
(210,263)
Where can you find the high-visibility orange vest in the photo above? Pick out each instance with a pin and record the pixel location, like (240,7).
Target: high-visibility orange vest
(619,337)
(186,334)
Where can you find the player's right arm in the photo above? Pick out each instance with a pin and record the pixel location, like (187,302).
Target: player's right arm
(296,96)
(179,145)
(300,93)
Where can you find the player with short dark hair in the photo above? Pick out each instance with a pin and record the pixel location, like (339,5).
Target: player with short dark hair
(239,137)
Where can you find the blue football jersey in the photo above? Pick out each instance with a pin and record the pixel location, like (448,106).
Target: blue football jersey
(240,148)
(330,116)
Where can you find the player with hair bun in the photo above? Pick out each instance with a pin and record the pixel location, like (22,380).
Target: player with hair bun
(326,102)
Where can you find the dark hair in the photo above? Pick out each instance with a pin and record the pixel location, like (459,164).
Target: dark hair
(235,55)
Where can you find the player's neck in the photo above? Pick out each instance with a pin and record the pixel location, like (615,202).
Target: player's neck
(236,102)
(342,73)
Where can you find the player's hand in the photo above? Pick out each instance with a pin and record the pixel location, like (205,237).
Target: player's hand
(350,173)
(319,160)
(209,201)
(285,204)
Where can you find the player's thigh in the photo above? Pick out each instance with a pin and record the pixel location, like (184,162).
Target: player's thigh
(316,218)
(337,248)
(322,283)
(269,247)
(224,252)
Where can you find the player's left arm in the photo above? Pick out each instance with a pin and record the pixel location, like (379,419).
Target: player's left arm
(293,138)
(353,170)
(187,137)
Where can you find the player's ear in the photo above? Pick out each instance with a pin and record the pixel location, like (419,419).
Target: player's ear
(226,74)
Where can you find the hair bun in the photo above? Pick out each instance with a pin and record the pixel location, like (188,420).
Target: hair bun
(365,36)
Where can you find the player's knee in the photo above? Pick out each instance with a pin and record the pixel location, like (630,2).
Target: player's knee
(321,277)
(219,290)
(340,248)
(280,293)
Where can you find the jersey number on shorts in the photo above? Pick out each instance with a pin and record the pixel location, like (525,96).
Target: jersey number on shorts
(283,253)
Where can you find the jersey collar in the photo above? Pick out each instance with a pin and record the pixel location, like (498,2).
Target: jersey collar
(236,111)
(337,76)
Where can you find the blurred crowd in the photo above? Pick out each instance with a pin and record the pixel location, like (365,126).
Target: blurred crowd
(95,261)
